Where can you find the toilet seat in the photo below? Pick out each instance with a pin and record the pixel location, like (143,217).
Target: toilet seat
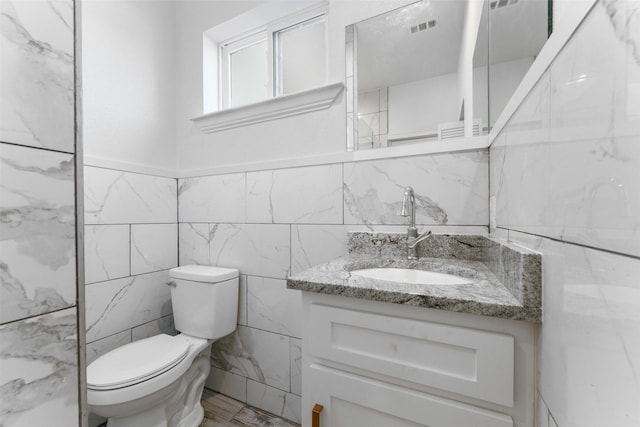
(150,384)
(136,362)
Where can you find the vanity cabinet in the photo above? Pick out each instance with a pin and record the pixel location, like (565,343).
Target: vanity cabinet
(374,364)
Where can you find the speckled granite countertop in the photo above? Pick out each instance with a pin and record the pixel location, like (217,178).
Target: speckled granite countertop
(485,295)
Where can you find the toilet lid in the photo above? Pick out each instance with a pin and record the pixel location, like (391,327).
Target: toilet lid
(136,362)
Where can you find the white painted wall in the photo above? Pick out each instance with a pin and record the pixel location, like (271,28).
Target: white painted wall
(142,73)
(128,67)
(299,136)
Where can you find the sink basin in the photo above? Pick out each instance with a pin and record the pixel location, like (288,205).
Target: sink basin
(407,275)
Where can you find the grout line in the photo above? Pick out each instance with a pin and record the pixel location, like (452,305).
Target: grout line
(582,245)
(93,224)
(177,222)
(74,305)
(343,195)
(15,144)
(130,276)
(130,251)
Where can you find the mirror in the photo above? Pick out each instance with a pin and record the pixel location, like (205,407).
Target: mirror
(415,73)
(519,30)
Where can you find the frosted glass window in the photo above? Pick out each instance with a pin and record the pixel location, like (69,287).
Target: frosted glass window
(249,74)
(300,56)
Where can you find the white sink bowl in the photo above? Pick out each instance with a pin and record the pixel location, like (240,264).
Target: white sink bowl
(407,275)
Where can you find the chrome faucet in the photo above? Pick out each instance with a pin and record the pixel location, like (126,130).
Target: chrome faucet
(409,209)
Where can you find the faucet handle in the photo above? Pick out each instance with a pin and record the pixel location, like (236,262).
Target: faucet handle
(412,243)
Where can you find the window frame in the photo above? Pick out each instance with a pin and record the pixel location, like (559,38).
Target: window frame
(259,34)
(277,83)
(227,49)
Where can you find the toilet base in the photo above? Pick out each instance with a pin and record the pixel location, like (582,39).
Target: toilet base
(194,418)
(178,405)
(156,417)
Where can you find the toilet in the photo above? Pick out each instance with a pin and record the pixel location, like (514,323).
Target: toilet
(158,381)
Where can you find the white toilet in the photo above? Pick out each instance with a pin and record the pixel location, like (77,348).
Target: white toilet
(158,381)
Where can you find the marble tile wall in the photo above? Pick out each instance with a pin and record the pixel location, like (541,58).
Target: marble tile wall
(269,224)
(565,177)
(37,82)
(131,236)
(39,370)
(573,143)
(38,311)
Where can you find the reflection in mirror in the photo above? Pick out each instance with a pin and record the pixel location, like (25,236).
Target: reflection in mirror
(415,73)
(519,30)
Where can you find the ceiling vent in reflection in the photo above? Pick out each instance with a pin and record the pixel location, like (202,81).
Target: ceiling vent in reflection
(498,4)
(424,26)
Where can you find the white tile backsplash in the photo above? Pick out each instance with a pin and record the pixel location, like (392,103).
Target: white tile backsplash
(314,244)
(37,249)
(275,401)
(272,307)
(131,241)
(116,197)
(297,195)
(194,243)
(219,198)
(255,354)
(153,247)
(39,333)
(106,252)
(451,189)
(590,344)
(254,249)
(104,345)
(163,325)
(37,82)
(296,366)
(229,384)
(116,305)
(291,219)
(39,370)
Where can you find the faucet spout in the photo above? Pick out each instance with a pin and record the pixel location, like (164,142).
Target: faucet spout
(409,209)
(409,205)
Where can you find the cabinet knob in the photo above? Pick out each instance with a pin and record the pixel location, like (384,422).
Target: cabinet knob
(315,415)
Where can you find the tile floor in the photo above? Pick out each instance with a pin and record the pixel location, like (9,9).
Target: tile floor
(223,411)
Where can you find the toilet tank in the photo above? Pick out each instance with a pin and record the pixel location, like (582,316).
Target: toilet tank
(204,300)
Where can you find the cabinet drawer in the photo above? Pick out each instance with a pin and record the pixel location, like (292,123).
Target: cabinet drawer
(469,362)
(351,400)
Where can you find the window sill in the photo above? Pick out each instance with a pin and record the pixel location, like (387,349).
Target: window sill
(271,109)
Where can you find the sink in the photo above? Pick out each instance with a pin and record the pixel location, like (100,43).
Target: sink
(408,275)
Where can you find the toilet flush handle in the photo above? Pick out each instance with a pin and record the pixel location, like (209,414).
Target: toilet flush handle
(171,284)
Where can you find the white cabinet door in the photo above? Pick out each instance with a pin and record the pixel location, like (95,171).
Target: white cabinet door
(350,400)
(469,362)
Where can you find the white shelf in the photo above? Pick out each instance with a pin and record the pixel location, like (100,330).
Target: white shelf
(271,109)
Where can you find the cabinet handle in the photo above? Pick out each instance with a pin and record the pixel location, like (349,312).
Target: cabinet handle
(315,415)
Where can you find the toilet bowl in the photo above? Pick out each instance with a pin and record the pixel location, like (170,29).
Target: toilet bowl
(158,381)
